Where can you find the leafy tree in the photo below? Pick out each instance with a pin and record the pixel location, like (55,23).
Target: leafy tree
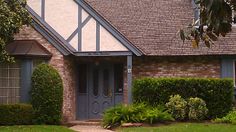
(13,16)
(215,20)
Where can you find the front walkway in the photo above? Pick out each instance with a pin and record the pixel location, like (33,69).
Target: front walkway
(89,128)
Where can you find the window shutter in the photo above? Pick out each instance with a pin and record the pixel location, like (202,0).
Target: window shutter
(227,68)
(26,72)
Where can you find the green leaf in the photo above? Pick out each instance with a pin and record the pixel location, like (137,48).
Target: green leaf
(13,16)
(182,35)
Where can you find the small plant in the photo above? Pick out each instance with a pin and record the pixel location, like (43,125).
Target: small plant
(229,118)
(197,109)
(47,95)
(136,113)
(153,115)
(177,107)
(123,114)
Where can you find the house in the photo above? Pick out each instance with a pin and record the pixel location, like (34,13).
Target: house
(100,46)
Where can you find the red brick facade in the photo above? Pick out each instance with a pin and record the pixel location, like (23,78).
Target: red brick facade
(64,65)
(208,67)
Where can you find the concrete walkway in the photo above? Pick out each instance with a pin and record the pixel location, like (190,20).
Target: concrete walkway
(89,128)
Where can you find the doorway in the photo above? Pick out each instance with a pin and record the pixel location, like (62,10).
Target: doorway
(100,87)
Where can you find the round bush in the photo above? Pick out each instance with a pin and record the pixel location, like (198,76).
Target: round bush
(197,109)
(47,95)
(177,107)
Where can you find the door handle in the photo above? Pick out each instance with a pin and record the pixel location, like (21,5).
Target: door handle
(109,92)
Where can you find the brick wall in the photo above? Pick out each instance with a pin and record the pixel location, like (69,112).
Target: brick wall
(206,67)
(64,65)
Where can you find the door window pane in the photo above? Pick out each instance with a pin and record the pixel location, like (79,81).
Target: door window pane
(118,78)
(95,82)
(10,83)
(106,89)
(82,78)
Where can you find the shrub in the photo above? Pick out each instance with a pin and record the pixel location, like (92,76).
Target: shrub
(16,114)
(177,106)
(134,113)
(123,114)
(217,93)
(47,95)
(153,115)
(197,109)
(229,118)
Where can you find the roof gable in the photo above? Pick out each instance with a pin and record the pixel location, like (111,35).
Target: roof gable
(76,32)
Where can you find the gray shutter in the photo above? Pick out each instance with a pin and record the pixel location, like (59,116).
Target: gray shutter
(227,68)
(26,72)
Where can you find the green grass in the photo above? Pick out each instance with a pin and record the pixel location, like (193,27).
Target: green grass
(184,127)
(34,128)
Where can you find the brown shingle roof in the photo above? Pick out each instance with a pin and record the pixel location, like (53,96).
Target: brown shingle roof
(151,25)
(27,48)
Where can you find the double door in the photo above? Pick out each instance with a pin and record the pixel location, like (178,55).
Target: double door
(101,89)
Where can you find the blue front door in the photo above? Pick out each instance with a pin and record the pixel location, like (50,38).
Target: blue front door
(100,86)
(101,89)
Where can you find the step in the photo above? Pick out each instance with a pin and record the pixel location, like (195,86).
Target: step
(85,123)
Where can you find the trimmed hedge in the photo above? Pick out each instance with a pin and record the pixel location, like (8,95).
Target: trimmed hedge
(47,95)
(217,93)
(16,114)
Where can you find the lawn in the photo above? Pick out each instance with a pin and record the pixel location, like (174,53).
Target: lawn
(184,127)
(34,128)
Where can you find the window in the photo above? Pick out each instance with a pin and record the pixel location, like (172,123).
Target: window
(82,78)
(118,78)
(10,83)
(95,82)
(11,80)
(106,88)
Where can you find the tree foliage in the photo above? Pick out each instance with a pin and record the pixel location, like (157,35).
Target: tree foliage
(215,20)
(13,16)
